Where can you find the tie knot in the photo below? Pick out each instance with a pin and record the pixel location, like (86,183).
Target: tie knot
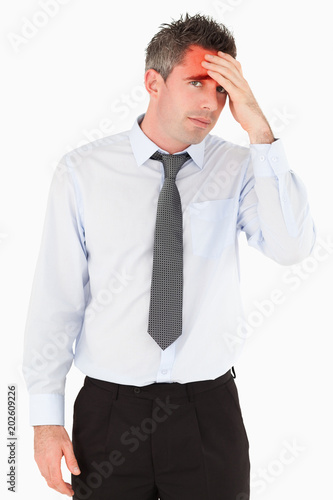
(171,163)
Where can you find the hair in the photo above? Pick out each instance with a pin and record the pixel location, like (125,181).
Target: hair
(169,46)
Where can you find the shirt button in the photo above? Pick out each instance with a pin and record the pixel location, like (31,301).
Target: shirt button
(164,372)
(275,159)
(262,158)
(137,390)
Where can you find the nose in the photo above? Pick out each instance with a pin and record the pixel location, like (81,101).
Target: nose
(210,99)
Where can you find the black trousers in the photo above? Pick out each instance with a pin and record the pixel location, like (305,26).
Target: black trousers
(166,441)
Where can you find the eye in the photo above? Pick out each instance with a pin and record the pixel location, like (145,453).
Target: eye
(196,84)
(220,89)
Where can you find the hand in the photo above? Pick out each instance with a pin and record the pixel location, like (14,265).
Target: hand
(51,443)
(227,72)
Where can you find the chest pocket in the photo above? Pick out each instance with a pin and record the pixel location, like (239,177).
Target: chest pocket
(212,226)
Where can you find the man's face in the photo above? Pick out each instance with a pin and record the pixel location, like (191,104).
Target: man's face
(190,102)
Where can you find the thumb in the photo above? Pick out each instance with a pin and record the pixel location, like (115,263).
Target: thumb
(70,459)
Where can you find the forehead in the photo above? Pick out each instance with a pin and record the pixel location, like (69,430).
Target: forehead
(194,57)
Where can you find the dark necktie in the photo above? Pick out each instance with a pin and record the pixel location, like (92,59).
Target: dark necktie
(166,296)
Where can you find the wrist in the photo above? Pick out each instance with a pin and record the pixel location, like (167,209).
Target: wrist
(43,428)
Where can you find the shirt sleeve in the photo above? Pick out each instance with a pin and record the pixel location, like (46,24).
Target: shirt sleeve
(57,301)
(274,210)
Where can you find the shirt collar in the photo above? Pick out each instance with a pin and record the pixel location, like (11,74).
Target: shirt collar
(143,147)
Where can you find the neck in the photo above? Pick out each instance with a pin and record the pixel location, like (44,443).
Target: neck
(151,128)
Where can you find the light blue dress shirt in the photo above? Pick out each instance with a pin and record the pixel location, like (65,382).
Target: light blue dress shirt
(91,291)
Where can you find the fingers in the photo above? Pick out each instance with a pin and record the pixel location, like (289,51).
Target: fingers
(226,66)
(49,466)
(231,60)
(55,481)
(228,60)
(224,82)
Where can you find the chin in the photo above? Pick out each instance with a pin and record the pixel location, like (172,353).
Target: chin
(197,138)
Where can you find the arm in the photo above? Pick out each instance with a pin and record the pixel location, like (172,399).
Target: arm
(274,210)
(53,324)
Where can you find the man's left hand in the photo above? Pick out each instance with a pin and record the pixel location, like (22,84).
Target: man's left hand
(227,72)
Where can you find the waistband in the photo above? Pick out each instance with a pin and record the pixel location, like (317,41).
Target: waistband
(159,389)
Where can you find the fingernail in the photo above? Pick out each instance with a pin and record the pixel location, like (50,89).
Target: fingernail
(76,470)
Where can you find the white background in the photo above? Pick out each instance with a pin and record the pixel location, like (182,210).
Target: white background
(84,65)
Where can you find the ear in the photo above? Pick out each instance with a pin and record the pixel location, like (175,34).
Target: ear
(153,81)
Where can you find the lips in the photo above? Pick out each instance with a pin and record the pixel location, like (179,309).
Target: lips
(200,122)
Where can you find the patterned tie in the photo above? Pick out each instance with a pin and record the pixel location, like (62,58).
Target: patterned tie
(166,296)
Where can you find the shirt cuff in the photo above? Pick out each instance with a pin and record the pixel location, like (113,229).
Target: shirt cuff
(47,409)
(269,159)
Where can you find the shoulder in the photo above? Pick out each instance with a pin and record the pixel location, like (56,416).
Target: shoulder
(103,148)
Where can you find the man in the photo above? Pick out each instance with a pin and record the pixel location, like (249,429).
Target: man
(139,266)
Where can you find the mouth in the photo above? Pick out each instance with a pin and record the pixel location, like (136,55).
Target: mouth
(200,122)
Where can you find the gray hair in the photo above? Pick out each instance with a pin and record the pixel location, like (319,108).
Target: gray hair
(168,47)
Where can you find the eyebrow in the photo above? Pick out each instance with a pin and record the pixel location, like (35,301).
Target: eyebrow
(202,76)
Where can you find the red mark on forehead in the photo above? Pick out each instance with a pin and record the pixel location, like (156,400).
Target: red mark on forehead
(193,59)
